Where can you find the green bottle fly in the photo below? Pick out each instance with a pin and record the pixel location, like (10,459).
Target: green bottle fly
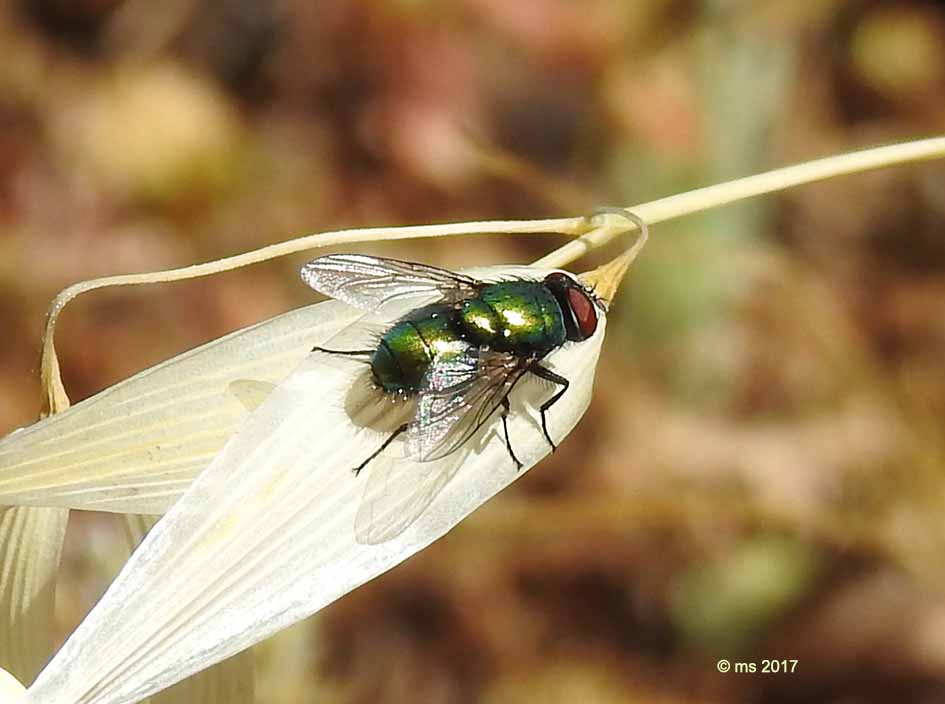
(524,318)
(461,356)
(457,358)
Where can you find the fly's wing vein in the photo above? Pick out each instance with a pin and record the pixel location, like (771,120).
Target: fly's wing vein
(370,283)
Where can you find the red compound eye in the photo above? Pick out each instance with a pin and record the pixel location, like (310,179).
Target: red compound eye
(584,312)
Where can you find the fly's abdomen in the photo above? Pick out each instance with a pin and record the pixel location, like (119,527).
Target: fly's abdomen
(411,345)
(527,316)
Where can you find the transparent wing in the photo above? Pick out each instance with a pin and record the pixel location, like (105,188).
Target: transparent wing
(397,492)
(370,283)
(459,395)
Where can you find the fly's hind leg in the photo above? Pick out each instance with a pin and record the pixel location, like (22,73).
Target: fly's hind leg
(548,375)
(505,427)
(388,441)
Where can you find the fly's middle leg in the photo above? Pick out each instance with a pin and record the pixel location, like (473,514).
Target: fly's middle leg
(505,427)
(548,375)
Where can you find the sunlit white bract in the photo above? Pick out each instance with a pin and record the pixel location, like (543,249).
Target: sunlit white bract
(265,535)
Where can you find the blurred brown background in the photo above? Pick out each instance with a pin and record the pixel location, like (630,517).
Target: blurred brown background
(762,473)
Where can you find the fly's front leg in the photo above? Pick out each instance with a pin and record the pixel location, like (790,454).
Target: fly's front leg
(548,375)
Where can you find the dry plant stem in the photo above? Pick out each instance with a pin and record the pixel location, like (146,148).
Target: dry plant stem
(54,398)
(760,184)
(608,276)
(605,279)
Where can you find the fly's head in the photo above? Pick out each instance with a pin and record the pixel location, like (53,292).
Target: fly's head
(579,305)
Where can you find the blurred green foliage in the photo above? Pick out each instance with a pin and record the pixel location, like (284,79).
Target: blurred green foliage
(726,605)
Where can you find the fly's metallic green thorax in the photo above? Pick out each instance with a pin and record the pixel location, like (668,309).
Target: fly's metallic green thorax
(519,317)
(528,317)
